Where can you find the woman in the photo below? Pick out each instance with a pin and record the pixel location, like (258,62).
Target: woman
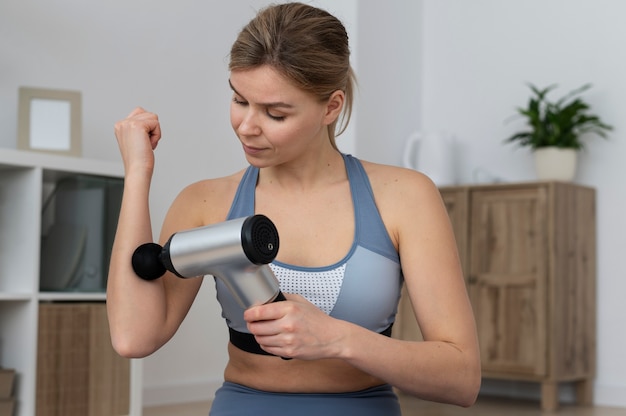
(351,232)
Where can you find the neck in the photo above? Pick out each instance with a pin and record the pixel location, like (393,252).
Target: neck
(306,173)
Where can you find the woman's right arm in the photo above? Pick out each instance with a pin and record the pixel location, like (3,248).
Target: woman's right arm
(143,315)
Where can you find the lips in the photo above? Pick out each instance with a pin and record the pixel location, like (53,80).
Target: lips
(252,150)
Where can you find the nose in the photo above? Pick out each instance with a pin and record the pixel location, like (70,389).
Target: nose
(249,125)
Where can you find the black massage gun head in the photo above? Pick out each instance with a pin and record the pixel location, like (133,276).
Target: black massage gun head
(147,262)
(259,239)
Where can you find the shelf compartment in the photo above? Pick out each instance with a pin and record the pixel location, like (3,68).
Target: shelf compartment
(20,217)
(18,351)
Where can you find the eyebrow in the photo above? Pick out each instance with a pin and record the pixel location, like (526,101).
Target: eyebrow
(269,104)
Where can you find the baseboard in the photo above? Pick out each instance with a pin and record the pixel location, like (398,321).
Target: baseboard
(197,391)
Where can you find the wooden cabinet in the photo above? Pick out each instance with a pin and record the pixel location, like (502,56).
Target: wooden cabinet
(528,253)
(27,179)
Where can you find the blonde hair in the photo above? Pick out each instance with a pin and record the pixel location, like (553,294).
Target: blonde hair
(307,45)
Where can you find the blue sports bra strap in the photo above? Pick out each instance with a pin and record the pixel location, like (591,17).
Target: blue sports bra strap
(370,228)
(243,204)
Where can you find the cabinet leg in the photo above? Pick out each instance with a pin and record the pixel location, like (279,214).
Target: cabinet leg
(584,392)
(549,396)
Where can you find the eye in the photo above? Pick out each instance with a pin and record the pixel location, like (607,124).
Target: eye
(274,117)
(239,101)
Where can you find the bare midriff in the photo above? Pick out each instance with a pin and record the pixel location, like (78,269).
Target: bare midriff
(273,374)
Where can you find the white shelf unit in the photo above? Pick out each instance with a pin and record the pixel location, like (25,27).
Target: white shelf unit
(24,177)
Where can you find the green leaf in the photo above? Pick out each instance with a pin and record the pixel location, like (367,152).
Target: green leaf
(560,123)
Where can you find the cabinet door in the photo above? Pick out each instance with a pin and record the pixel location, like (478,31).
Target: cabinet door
(507,282)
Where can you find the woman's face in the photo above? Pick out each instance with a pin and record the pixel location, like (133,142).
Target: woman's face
(275,121)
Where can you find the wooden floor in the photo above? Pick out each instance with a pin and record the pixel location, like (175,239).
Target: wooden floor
(485,406)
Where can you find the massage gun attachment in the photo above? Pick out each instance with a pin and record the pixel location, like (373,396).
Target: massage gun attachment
(236,251)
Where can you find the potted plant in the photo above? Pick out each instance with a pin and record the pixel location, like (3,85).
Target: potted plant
(556,129)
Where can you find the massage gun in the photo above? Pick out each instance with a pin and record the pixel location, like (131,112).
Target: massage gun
(236,251)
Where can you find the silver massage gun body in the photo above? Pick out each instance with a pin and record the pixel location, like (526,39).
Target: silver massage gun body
(236,251)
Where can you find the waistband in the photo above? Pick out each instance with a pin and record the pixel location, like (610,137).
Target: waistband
(235,399)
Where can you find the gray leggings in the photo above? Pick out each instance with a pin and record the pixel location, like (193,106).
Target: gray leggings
(236,400)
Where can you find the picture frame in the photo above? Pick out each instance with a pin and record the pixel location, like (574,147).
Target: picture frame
(49,121)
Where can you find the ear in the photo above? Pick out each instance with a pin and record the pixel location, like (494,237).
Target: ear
(334,105)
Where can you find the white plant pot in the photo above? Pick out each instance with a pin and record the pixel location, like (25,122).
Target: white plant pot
(554,163)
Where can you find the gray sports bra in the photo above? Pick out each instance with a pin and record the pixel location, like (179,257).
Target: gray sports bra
(362,288)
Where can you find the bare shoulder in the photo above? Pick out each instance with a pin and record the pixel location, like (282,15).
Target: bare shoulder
(394,183)
(203,202)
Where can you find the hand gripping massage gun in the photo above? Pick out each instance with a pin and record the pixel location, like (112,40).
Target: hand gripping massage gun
(236,251)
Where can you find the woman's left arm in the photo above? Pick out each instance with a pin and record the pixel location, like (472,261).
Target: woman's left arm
(445,366)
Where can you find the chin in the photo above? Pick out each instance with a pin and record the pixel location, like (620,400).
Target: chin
(257,162)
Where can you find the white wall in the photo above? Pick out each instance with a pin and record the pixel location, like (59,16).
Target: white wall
(389,73)
(436,64)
